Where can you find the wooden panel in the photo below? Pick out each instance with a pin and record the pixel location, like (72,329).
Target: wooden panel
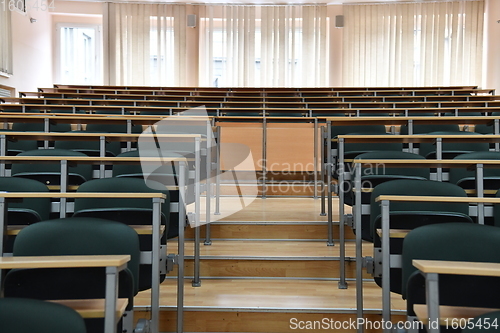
(290,147)
(249,134)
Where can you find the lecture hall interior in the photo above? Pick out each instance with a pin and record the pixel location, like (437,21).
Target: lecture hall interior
(249,166)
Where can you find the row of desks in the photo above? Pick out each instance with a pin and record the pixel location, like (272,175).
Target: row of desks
(27,97)
(157,198)
(264,90)
(297,106)
(370,109)
(113,264)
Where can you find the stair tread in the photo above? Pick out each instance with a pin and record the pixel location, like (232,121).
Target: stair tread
(264,294)
(270,249)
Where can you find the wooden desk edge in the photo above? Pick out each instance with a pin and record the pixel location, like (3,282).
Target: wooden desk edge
(64,261)
(458,267)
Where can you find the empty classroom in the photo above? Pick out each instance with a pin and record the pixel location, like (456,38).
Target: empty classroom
(248,166)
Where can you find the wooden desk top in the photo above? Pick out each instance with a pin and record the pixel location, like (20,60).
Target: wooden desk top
(414,198)
(84,136)
(402,120)
(458,267)
(425,162)
(92,308)
(137,195)
(64,261)
(14,230)
(416,138)
(92,159)
(449,313)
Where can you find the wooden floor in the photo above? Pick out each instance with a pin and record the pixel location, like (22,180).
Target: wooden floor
(267,263)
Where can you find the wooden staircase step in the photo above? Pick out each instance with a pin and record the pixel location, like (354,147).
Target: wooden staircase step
(274,259)
(263,305)
(270,230)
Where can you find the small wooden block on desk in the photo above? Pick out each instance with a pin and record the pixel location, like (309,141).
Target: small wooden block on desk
(448,313)
(395,233)
(93,308)
(458,267)
(146,229)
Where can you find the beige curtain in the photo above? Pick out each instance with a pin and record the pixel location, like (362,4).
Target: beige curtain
(5,41)
(147,44)
(271,46)
(413,44)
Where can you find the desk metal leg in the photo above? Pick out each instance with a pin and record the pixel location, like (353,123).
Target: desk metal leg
(3,151)
(217,176)
(432,299)
(208,184)
(480,192)
(386,265)
(155,266)
(264,158)
(342,282)
(322,183)
(110,319)
(315,156)
(359,247)
(64,187)
(180,258)
(197,193)
(439,156)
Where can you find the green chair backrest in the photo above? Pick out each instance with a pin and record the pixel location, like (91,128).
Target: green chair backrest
(25,315)
(80,172)
(412,187)
(80,236)
(134,185)
(421,129)
(90,148)
(381,171)
(112,128)
(451,241)
(40,127)
(450,148)
(460,175)
(30,209)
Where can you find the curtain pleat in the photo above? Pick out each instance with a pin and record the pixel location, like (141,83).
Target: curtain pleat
(147,44)
(265,45)
(413,44)
(5,40)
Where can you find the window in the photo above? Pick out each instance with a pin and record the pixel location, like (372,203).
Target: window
(5,42)
(79,54)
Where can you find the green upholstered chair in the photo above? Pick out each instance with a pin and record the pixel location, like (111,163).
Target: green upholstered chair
(493,318)
(25,315)
(371,176)
(50,173)
(411,215)
(451,149)
(455,242)
(422,129)
(133,211)
(89,148)
(74,236)
(27,211)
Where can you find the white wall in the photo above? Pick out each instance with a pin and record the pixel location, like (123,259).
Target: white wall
(492,47)
(32,65)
